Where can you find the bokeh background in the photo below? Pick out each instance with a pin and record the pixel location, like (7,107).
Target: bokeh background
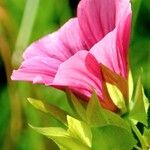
(24,21)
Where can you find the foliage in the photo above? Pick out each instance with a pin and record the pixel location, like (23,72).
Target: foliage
(93,125)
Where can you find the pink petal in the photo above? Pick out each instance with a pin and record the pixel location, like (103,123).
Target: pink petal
(43,57)
(124,31)
(70,36)
(37,69)
(60,45)
(112,50)
(99,17)
(105,52)
(80,73)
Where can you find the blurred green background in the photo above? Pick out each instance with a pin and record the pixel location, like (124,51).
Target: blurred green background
(24,21)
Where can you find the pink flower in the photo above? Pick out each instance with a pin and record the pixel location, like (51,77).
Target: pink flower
(71,57)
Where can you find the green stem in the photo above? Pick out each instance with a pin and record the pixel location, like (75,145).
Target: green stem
(26,27)
(139,135)
(138,148)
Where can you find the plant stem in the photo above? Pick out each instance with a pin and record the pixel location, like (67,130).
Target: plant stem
(138,148)
(139,135)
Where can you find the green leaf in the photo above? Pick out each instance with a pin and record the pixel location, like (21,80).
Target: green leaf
(61,137)
(94,112)
(112,138)
(138,111)
(49,108)
(79,130)
(117,97)
(76,104)
(51,131)
(146,136)
(25,30)
(135,9)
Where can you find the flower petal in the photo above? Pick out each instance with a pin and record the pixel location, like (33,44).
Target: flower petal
(112,50)
(80,73)
(60,45)
(70,35)
(99,17)
(43,57)
(37,69)
(105,52)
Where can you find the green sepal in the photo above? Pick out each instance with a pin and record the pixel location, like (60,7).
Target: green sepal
(55,111)
(117,97)
(80,130)
(94,112)
(112,137)
(146,136)
(130,85)
(138,111)
(115,120)
(146,101)
(97,116)
(76,105)
(61,137)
